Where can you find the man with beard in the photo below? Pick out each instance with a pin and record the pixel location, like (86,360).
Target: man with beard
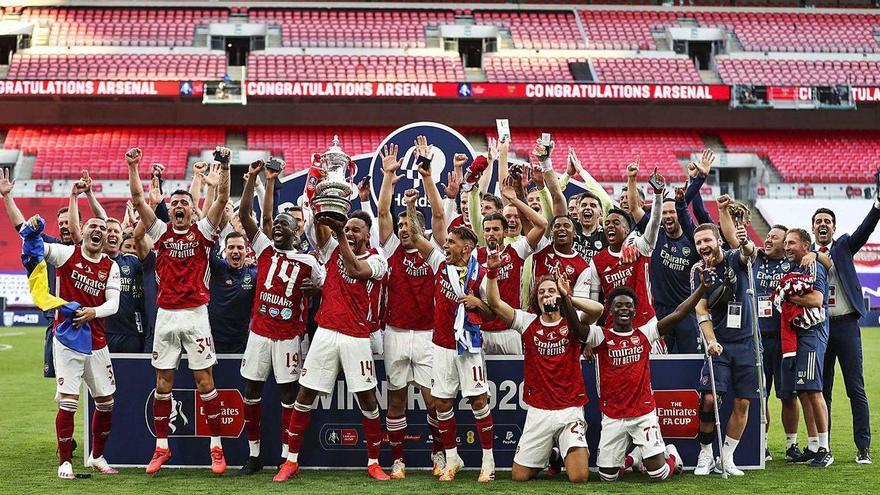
(724,314)
(232,294)
(845,307)
(498,337)
(182,267)
(410,297)
(802,373)
(278,313)
(459,290)
(671,263)
(769,267)
(7,184)
(91,278)
(349,313)
(626,260)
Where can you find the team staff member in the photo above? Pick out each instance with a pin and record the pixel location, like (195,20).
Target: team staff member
(233,282)
(724,316)
(845,307)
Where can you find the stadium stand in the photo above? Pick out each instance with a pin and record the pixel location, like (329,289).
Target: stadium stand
(812,156)
(122,66)
(605,152)
(609,70)
(121,27)
(536,30)
(798,72)
(297,144)
(61,152)
(385,68)
(353,28)
(624,29)
(796,32)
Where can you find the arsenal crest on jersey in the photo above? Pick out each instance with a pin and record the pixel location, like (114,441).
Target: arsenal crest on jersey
(102,275)
(191,236)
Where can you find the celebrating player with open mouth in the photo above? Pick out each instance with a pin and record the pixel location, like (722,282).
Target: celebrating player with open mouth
(278,313)
(182,249)
(554,382)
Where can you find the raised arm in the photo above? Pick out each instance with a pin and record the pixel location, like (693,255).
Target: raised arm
(592,184)
(728,228)
(146,214)
(267,207)
(390,165)
(246,206)
(569,311)
(636,210)
(493,295)
(491,156)
(438,214)
(216,211)
(863,232)
(669,321)
(7,183)
(652,229)
(78,188)
(536,220)
(503,154)
(418,237)
(551,182)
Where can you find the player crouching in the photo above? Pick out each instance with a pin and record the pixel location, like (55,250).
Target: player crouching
(554,382)
(625,395)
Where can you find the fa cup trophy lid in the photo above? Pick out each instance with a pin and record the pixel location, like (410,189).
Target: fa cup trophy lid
(334,153)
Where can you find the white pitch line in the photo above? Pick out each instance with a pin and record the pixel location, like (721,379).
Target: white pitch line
(11,334)
(5,347)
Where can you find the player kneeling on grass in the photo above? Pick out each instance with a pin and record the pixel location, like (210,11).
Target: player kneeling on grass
(278,313)
(625,395)
(90,278)
(554,382)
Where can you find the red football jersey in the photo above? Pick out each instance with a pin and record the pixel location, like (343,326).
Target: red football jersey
(409,288)
(445,300)
(348,305)
(624,369)
(607,269)
(456,222)
(80,279)
(551,363)
(513,257)
(182,270)
(573,265)
(279,311)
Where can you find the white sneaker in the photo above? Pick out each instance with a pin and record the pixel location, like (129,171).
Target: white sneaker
(439,460)
(636,455)
(729,466)
(671,450)
(398,470)
(100,465)
(65,471)
(705,464)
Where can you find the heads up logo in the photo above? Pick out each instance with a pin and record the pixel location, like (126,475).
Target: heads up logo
(446,142)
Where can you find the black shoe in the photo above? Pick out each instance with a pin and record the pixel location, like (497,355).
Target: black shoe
(253,466)
(767,455)
(823,458)
(806,456)
(793,453)
(863,457)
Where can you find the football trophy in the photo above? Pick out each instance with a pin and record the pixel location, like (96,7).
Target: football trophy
(333,194)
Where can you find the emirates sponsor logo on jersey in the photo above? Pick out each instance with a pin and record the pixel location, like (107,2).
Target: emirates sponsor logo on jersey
(619,278)
(551,348)
(415,267)
(82,282)
(181,249)
(626,353)
(674,262)
(446,289)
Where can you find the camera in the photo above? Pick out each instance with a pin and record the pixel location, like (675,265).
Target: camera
(275,164)
(218,157)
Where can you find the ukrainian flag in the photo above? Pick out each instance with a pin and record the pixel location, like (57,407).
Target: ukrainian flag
(33,257)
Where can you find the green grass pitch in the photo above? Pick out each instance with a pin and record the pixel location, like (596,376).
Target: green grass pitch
(28,461)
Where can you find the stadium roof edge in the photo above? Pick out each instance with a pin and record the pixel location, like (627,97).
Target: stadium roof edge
(413,6)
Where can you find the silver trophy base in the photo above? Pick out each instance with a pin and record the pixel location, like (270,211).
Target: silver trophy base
(333,215)
(332,207)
